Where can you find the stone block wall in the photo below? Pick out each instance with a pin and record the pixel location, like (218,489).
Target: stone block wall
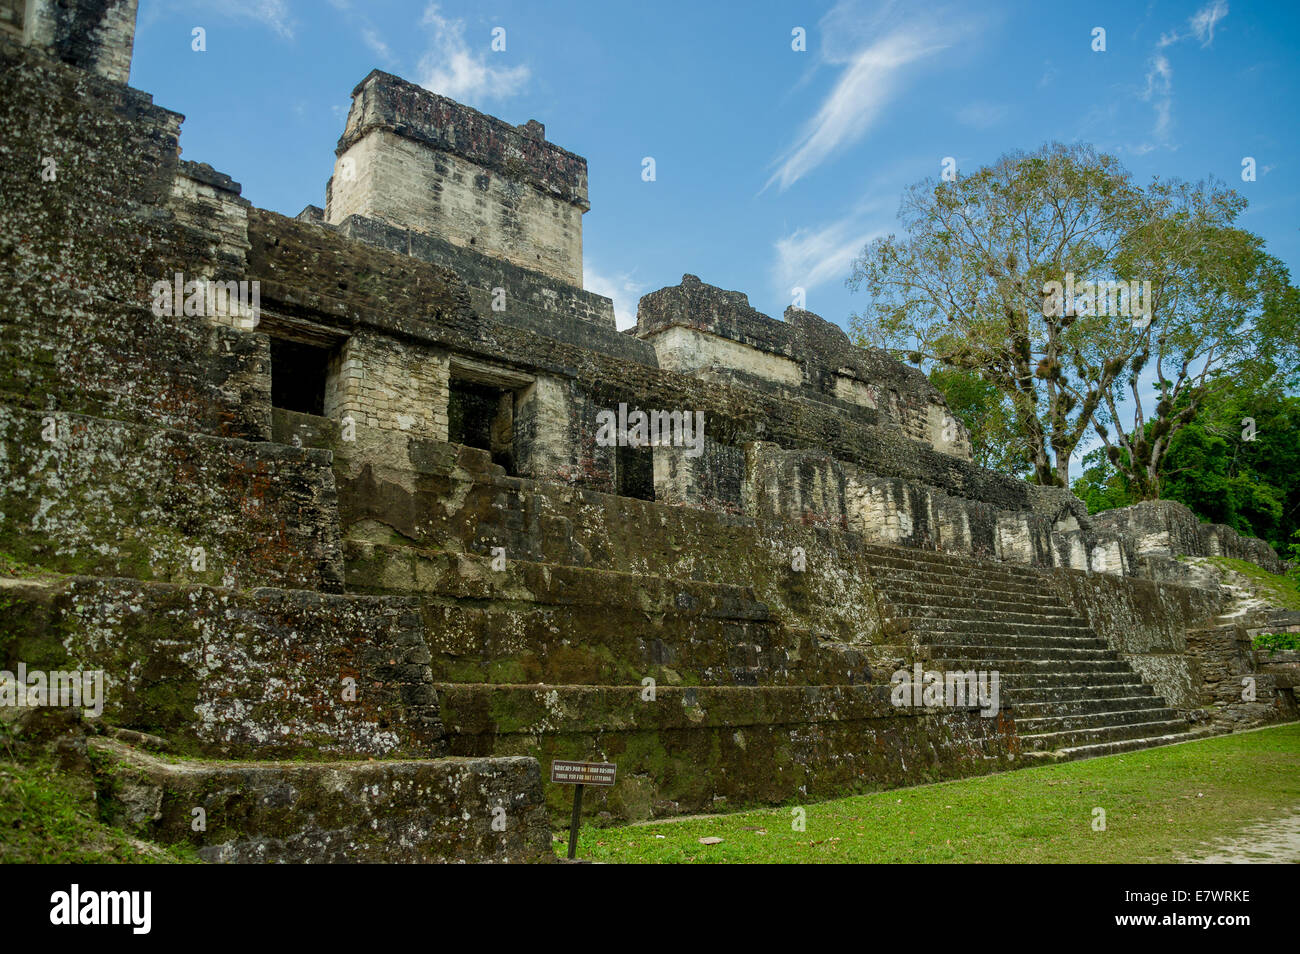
(262,514)
(555,436)
(209,202)
(520,287)
(389,384)
(317,272)
(95,35)
(708,748)
(1233,685)
(424,162)
(702,330)
(413,812)
(77,330)
(1147,624)
(236,674)
(1166,528)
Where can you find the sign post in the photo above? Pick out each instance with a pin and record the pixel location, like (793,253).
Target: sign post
(579,774)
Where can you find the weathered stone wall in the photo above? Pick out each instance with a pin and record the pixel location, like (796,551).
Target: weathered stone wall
(708,332)
(813,487)
(695,352)
(525,295)
(83,251)
(209,203)
(424,162)
(315,274)
(341,812)
(1147,624)
(395,489)
(96,35)
(87,495)
(226,673)
(1228,675)
(531,623)
(1166,528)
(389,384)
(703,749)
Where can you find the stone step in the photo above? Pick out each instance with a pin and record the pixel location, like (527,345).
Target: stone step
(1094,750)
(983,654)
(1084,705)
(920,580)
(935,637)
(387,568)
(993,628)
(518,642)
(1090,720)
(428,810)
(1063,679)
(918,594)
(1075,738)
(886,552)
(919,611)
(895,570)
(1080,690)
(1090,668)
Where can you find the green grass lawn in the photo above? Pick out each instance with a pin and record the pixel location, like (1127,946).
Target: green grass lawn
(1282,591)
(1160,803)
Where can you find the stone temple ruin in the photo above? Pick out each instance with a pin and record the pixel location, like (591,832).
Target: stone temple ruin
(357,566)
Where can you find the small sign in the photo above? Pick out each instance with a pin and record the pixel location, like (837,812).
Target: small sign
(583,773)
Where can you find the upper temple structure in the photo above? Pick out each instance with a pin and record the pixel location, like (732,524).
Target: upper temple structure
(335,490)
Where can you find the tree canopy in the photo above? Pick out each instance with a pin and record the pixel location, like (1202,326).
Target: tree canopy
(1057,280)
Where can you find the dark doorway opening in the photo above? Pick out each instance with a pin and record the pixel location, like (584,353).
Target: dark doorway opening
(483,416)
(635,472)
(298,375)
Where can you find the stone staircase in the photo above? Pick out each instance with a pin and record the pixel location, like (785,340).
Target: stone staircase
(1070,696)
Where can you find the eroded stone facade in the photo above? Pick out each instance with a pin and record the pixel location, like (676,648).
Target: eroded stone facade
(420,161)
(397,476)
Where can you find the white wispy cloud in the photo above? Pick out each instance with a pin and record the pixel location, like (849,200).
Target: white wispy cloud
(873,44)
(1159,89)
(622,289)
(451,68)
(811,256)
(1159,92)
(867,85)
(273,14)
(1200,25)
(1205,19)
(371,38)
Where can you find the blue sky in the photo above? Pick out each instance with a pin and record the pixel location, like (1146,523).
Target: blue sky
(773,167)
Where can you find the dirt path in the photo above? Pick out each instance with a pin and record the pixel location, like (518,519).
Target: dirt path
(1272,842)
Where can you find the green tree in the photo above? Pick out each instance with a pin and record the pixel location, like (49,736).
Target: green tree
(1252,485)
(997,438)
(1225,312)
(1101,486)
(1237,462)
(984,282)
